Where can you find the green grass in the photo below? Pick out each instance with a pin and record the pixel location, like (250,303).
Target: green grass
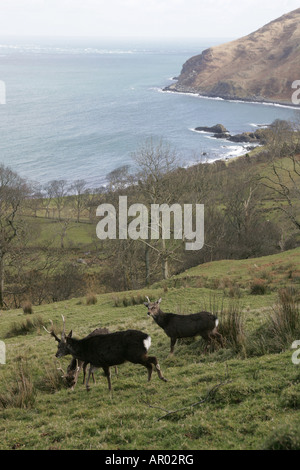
(257,407)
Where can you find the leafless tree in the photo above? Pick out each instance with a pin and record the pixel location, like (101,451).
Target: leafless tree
(155,164)
(13,191)
(58,190)
(284,175)
(79,191)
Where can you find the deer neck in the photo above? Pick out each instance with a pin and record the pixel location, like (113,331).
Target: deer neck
(160,318)
(74,347)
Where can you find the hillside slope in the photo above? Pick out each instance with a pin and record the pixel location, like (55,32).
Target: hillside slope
(256,399)
(259,67)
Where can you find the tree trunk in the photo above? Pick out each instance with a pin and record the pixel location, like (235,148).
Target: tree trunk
(147,264)
(165,267)
(2,303)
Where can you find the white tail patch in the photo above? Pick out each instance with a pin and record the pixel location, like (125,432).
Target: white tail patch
(217,322)
(147,342)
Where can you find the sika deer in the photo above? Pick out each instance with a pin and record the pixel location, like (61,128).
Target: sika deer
(185,326)
(74,367)
(109,350)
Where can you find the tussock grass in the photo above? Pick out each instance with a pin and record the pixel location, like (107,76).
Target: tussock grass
(20,391)
(26,326)
(91,299)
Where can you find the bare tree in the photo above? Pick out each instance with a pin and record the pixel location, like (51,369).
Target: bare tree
(284,175)
(13,191)
(78,188)
(156,162)
(58,190)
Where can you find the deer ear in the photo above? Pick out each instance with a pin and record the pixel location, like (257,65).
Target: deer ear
(70,334)
(159,301)
(146,304)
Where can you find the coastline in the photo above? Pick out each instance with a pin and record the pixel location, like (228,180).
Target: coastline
(281,104)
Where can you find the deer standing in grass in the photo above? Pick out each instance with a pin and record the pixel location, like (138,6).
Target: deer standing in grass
(176,326)
(109,350)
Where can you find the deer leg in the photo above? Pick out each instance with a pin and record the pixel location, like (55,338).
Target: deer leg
(220,338)
(107,375)
(84,371)
(153,360)
(88,379)
(206,336)
(173,342)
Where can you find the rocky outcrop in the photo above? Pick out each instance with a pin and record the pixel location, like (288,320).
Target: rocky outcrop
(217,129)
(220,132)
(259,67)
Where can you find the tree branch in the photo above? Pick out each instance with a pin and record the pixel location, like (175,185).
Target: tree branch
(210,394)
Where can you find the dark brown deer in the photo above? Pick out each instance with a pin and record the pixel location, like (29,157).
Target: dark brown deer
(185,326)
(74,367)
(109,350)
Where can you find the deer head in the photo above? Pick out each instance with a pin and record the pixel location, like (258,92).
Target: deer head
(62,349)
(153,307)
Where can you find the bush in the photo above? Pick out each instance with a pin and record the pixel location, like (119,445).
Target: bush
(258,287)
(20,393)
(27,308)
(285,320)
(91,299)
(281,328)
(231,327)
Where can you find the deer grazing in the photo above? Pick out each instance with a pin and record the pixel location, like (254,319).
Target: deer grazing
(185,326)
(106,350)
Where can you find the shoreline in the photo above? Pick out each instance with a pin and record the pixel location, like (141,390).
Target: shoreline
(233,100)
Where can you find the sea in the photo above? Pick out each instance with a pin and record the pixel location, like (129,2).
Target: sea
(81,108)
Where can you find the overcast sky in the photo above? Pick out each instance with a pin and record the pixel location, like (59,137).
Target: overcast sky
(139,18)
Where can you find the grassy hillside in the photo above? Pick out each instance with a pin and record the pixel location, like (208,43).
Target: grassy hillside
(242,399)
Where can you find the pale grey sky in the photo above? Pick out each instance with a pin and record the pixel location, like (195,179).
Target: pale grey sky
(139,18)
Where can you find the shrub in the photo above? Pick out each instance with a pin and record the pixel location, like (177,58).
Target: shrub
(231,327)
(258,287)
(91,299)
(285,320)
(27,307)
(281,328)
(20,393)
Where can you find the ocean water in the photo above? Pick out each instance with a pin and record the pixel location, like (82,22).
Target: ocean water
(78,109)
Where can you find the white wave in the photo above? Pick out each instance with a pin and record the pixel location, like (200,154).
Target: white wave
(218,98)
(198,132)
